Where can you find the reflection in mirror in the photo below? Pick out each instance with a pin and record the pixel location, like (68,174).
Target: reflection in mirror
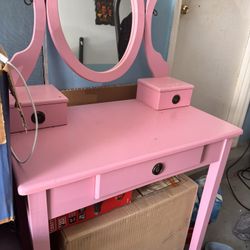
(97,31)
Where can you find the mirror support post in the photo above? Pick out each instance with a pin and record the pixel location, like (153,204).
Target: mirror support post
(157,64)
(26,59)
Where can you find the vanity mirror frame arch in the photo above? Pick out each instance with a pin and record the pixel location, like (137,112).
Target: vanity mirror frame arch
(136,36)
(26,59)
(156,62)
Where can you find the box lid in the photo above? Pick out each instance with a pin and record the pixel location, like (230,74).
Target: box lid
(41,95)
(163,84)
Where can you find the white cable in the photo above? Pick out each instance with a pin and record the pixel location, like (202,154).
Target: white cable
(34,109)
(3,58)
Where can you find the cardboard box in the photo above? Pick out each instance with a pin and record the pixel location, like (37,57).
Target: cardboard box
(164,92)
(83,96)
(155,221)
(90,212)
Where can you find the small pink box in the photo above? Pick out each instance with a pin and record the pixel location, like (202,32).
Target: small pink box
(51,106)
(164,92)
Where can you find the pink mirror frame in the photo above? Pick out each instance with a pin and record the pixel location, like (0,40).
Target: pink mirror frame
(26,59)
(119,69)
(156,62)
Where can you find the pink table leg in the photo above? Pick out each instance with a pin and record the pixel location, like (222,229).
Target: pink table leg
(38,221)
(213,180)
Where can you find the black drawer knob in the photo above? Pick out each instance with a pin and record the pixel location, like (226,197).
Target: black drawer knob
(158,169)
(176,99)
(40,117)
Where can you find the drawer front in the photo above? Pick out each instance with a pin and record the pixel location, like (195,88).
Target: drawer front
(67,198)
(143,173)
(49,116)
(174,99)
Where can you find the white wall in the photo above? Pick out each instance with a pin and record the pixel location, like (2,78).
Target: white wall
(78,20)
(211,43)
(125,9)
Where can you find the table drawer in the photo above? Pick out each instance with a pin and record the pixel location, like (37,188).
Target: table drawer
(143,173)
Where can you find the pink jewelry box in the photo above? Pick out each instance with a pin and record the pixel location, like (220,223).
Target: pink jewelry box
(51,106)
(164,92)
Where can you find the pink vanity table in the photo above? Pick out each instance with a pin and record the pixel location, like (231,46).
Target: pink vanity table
(109,148)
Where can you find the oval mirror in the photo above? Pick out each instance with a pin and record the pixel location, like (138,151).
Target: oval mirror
(95,31)
(98,39)
(159,69)
(25,59)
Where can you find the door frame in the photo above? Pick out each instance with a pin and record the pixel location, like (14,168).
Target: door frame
(240,102)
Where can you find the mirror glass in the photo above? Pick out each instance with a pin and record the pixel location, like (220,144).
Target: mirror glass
(97,31)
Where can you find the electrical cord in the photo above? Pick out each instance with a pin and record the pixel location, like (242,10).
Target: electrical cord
(5,60)
(241,175)
(36,119)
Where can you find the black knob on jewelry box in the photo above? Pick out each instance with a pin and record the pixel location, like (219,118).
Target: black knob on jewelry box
(176,99)
(40,117)
(158,169)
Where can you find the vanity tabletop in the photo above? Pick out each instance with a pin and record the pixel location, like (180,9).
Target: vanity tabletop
(102,137)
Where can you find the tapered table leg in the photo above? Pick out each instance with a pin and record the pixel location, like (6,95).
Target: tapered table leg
(215,173)
(38,221)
